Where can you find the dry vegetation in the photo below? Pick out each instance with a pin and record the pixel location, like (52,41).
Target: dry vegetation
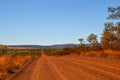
(86,52)
(9,64)
(13,59)
(104,53)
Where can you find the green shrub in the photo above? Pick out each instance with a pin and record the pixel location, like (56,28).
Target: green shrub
(3,50)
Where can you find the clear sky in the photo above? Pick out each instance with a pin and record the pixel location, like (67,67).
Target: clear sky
(47,22)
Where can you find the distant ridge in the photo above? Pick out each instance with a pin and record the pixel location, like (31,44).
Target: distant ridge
(44,47)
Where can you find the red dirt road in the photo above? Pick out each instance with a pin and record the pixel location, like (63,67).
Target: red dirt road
(70,68)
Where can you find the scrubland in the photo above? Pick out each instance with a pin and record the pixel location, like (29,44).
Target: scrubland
(84,52)
(11,60)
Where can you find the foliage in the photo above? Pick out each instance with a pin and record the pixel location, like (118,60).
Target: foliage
(94,45)
(65,51)
(3,49)
(81,41)
(51,52)
(12,59)
(24,52)
(111,34)
(114,12)
(108,35)
(81,48)
(58,52)
(92,38)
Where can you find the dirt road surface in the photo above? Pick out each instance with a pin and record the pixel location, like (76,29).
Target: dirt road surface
(70,68)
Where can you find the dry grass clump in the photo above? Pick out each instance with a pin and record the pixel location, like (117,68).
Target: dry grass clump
(103,53)
(4,63)
(113,53)
(9,64)
(20,60)
(12,59)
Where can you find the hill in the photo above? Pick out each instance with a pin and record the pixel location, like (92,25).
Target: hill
(42,46)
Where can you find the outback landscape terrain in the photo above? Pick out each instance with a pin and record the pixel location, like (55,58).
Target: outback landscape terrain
(59,39)
(69,68)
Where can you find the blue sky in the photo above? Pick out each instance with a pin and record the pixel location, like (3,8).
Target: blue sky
(47,22)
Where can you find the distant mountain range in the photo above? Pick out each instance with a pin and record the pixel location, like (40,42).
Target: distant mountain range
(41,46)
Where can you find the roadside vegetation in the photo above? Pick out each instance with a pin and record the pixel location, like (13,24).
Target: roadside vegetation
(13,59)
(108,46)
(58,52)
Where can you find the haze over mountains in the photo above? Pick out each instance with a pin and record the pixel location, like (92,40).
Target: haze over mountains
(42,46)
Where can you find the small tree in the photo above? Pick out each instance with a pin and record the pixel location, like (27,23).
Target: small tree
(109,37)
(81,41)
(82,47)
(111,34)
(3,49)
(92,39)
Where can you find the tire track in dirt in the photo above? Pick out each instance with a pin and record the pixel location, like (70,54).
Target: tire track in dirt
(73,72)
(96,63)
(37,69)
(110,69)
(102,72)
(109,62)
(46,70)
(56,69)
(87,71)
